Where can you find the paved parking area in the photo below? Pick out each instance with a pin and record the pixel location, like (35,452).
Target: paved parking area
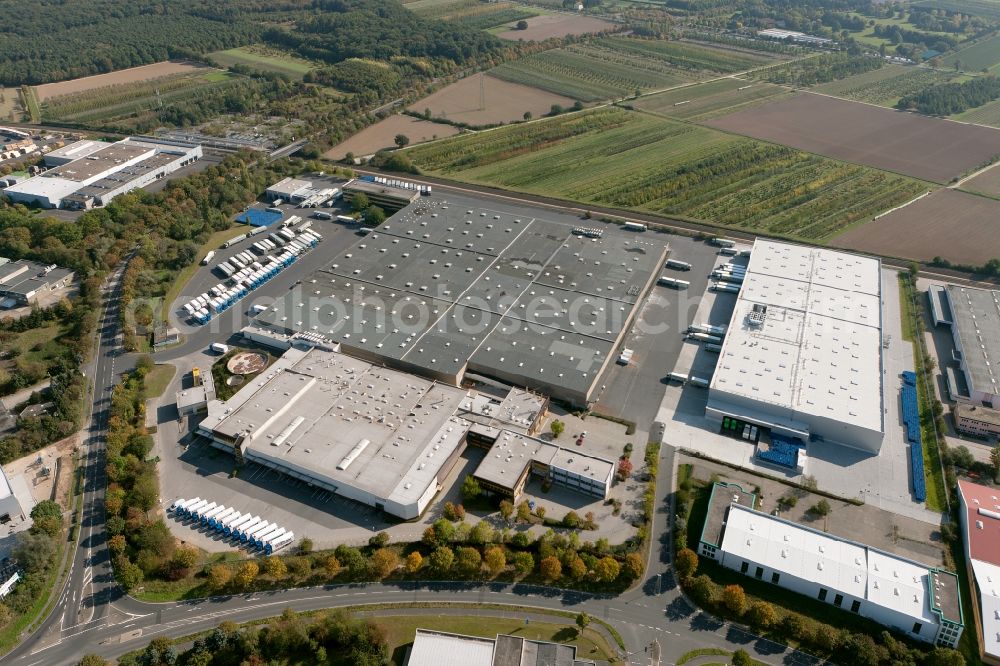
(882,481)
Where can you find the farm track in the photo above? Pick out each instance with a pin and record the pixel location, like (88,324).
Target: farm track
(667,224)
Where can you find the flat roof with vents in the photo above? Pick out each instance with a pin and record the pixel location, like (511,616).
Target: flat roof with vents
(980,508)
(815,359)
(447,286)
(976,327)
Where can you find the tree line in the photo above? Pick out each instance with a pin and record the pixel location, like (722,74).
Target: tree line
(948,98)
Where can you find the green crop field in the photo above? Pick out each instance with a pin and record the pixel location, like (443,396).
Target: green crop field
(984,8)
(701,101)
(979,56)
(472,13)
(129,99)
(268,60)
(627,159)
(987,114)
(885,86)
(619,66)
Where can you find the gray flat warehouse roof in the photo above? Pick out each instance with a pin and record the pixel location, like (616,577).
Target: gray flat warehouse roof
(450,285)
(976,315)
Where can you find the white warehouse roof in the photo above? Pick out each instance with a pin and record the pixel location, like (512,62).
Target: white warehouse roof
(436,648)
(816,355)
(73,151)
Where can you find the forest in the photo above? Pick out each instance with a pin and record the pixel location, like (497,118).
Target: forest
(949,98)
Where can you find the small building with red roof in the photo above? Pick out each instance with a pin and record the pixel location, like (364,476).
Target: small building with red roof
(980,515)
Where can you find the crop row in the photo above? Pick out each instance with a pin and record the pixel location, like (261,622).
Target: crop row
(493,16)
(620,158)
(68,106)
(688,55)
(886,86)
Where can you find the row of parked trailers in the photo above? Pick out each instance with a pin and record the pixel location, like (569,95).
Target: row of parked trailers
(255,272)
(728,278)
(700,382)
(425,190)
(244,528)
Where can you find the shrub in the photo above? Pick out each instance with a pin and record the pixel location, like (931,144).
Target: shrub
(820,508)
(414,561)
(379,540)
(383,562)
(442,558)
(633,565)
(524,563)
(686,564)
(469,560)
(470,488)
(607,569)
(571,520)
(496,560)
(275,567)
(551,568)
(762,615)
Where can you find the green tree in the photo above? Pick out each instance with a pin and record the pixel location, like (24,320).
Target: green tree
(401,140)
(742,658)
(995,458)
(129,575)
(582,621)
(380,540)
(578,569)
(442,558)
(93,660)
(821,508)
(469,560)
(527,115)
(522,25)
(374,216)
(557,427)
(735,599)
(942,656)
(360,202)
(523,513)
(470,488)
(506,510)
(762,615)
(481,533)
(686,564)
(46,509)
(524,563)
(306,545)
(571,520)
(607,569)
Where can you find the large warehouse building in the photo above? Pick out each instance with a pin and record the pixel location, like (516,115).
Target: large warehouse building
(975,326)
(802,356)
(91,175)
(979,511)
(919,601)
(444,288)
(22,281)
(386,438)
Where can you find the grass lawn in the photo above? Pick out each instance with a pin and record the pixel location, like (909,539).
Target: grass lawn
(213,243)
(400,630)
(44,337)
(981,55)
(158,379)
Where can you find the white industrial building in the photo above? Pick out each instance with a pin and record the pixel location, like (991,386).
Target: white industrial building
(74,151)
(974,317)
(386,438)
(439,648)
(10,508)
(979,512)
(918,601)
(802,356)
(94,177)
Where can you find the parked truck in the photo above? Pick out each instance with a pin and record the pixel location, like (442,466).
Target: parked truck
(208,258)
(635,226)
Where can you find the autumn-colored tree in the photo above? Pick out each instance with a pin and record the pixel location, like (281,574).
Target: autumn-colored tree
(275,567)
(578,568)
(607,569)
(551,568)
(469,560)
(523,513)
(414,561)
(117,544)
(686,564)
(495,560)
(331,565)
(246,575)
(633,565)
(384,561)
(506,510)
(735,599)
(762,615)
(442,558)
(624,468)
(219,576)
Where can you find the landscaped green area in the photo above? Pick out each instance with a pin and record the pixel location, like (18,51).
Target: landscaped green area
(619,66)
(712,98)
(158,379)
(135,100)
(633,160)
(264,59)
(983,55)
(887,85)
(400,629)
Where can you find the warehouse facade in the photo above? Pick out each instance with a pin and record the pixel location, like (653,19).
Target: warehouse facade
(101,172)
(802,356)
(22,281)
(979,512)
(920,602)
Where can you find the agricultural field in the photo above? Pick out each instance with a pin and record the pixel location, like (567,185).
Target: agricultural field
(984,8)
(504,101)
(263,59)
(887,85)
(619,66)
(126,100)
(382,134)
(557,25)
(712,98)
(987,182)
(125,76)
(929,148)
(10,104)
(984,55)
(472,13)
(615,157)
(958,226)
(987,114)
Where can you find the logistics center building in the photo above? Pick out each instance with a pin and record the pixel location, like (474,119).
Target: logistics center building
(979,512)
(91,175)
(377,435)
(802,356)
(445,288)
(975,327)
(917,600)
